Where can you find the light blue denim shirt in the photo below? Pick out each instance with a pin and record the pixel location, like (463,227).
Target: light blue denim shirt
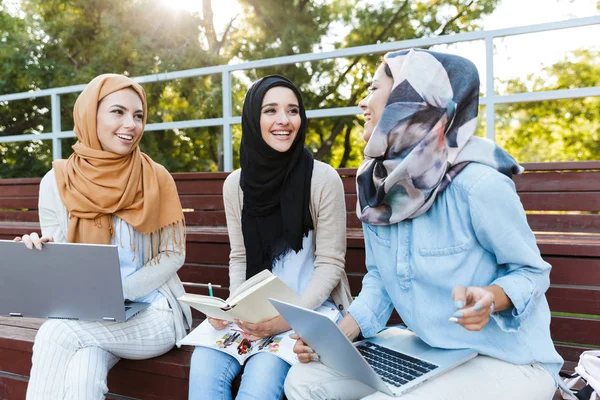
(475,234)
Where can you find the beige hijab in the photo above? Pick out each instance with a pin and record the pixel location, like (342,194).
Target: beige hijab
(94,184)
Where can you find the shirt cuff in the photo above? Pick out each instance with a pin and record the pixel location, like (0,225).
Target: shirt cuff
(364,317)
(522,293)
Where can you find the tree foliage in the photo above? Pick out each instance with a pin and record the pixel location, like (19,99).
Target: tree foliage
(555,130)
(52,43)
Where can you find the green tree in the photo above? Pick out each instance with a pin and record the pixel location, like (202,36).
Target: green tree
(555,130)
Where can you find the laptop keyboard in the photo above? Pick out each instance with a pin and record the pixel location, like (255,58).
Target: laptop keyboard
(393,367)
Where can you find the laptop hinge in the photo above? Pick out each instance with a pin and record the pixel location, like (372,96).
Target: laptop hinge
(15,314)
(109,319)
(69,318)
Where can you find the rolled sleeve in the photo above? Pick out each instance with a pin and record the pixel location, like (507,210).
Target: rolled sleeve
(522,274)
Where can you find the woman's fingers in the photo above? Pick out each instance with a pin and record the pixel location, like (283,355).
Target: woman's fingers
(459,295)
(218,324)
(304,353)
(27,241)
(479,307)
(34,240)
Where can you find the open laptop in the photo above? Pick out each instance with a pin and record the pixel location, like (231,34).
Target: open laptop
(393,362)
(63,280)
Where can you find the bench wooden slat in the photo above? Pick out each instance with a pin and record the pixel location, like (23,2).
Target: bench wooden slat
(558,201)
(19,191)
(205,273)
(209,253)
(574,270)
(576,330)
(199,176)
(202,202)
(205,218)
(20,181)
(562,166)
(208,187)
(558,182)
(574,300)
(572,223)
(572,245)
(12,387)
(19,202)
(19,216)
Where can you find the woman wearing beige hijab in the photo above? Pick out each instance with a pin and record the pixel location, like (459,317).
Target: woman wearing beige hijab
(108,191)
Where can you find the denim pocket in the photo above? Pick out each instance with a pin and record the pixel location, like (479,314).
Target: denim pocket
(447,250)
(374,233)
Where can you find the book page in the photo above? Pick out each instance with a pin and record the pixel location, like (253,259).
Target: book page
(249,284)
(191,298)
(231,341)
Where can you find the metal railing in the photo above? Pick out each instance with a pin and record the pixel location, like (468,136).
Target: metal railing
(227,120)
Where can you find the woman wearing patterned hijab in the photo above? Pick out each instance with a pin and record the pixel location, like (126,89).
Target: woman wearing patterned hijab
(108,191)
(285,213)
(446,239)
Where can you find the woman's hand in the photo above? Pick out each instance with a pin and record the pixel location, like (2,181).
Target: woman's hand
(34,240)
(305,354)
(218,324)
(475,305)
(264,329)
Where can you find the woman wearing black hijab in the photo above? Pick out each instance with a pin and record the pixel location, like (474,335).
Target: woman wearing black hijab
(285,213)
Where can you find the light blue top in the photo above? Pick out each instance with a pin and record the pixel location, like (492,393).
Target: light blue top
(129,260)
(475,234)
(296,269)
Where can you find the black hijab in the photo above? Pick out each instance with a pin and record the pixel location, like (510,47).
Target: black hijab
(276,186)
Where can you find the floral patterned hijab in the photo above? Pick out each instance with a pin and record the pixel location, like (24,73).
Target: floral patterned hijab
(424,137)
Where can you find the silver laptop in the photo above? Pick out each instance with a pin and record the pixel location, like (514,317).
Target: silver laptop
(63,280)
(393,362)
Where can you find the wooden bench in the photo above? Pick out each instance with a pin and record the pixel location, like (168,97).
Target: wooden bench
(563,205)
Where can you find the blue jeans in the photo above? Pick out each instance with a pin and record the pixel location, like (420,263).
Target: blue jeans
(212,372)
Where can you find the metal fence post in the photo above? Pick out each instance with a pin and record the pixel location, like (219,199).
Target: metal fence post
(56,144)
(490,108)
(227,114)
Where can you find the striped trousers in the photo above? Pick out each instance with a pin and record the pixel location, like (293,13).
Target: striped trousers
(71,359)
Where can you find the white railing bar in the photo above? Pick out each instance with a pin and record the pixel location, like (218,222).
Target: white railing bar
(351,51)
(547,26)
(55,107)
(540,96)
(490,109)
(227,113)
(333,112)
(193,123)
(25,138)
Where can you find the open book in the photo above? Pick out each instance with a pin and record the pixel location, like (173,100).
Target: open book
(250,302)
(231,340)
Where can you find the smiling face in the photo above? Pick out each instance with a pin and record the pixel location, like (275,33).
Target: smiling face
(280,118)
(119,121)
(373,105)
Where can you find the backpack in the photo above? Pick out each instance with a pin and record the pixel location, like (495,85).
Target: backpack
(587,372)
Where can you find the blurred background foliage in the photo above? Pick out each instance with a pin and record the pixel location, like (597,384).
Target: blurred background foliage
(53,43)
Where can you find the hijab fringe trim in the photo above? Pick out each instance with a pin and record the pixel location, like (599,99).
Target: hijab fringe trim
(170,239)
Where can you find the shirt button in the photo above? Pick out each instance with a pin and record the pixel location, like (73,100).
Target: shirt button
(340,307)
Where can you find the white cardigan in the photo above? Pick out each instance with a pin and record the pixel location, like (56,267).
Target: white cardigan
(54,221)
